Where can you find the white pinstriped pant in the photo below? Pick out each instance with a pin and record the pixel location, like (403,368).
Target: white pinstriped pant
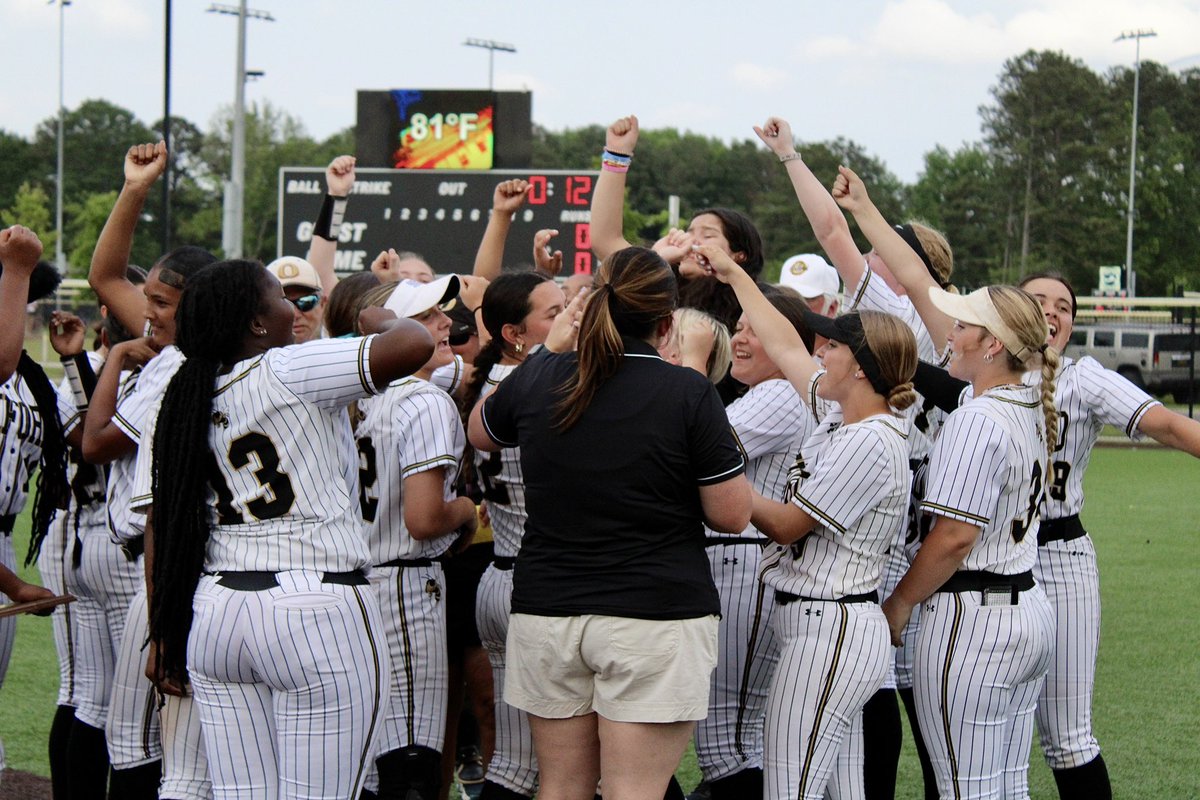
(8,625)
(58,575)
(978,671)
(291,684)
(1068,574)
(412,603)
(834,657)
(514,765)
(134,737)
(729,739)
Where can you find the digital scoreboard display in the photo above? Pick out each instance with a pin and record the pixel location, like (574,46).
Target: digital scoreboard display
(436,129)
(439,215)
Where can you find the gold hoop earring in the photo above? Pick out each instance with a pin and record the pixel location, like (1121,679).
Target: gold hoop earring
(518,347)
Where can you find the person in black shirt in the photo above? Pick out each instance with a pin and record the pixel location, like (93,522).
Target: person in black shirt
(614,631)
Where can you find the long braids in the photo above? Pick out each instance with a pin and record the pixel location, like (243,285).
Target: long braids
(51,490)
(215,311)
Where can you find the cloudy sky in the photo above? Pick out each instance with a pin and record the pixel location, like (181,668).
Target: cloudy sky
(898,76)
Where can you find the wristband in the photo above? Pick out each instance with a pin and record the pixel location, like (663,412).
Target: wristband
(786,157)
(614,162)
(75,380)
(329,221)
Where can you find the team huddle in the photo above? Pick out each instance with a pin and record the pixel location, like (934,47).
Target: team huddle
(760,518)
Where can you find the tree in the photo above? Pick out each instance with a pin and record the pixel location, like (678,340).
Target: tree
(31,208)
(14,166)
(87,220)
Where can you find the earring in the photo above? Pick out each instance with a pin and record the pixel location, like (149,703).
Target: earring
(987,357)
(260,331)
(859,374)
(518,347)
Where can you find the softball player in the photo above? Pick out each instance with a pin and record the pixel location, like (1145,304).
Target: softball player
(986,631)
(282,639)
(409,443)
(770,423)
(1087,397)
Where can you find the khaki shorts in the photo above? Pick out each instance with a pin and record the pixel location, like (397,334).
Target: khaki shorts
(626,670)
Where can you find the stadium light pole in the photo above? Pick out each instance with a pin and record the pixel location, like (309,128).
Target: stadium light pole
(1137,36)
(491,47)
(60,258)
(235,189)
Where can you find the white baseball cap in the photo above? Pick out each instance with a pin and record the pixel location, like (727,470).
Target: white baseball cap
(977,308)
(411,298)
(810,275)
(295,271)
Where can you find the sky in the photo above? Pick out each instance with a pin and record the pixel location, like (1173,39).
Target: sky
(897,76)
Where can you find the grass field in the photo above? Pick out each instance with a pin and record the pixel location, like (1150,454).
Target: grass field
(1143,510)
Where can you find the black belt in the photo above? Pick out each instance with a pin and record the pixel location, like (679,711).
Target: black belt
(783,598)
(7,523)
(717,541)
(1004,588)
(261,581)
(1063,529)
(504,562)
(413,562)
(133,548)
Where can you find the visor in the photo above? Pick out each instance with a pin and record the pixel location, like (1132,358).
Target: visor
(977,308)
(848,330)
(411,298)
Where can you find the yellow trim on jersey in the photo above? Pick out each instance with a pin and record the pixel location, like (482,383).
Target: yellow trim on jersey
(239,377)
(738,440)
(926,505)
(442,459)
(893,428)
(816,512)
(137,434)
(1137,415)
(362,374)
(826,691)
(862,286)
(1022,404)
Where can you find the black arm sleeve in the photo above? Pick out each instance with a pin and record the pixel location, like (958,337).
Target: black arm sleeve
(936,386)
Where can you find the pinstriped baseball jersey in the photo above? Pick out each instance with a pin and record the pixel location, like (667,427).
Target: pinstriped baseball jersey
(411,427)
(1088,397)
(769,423)
(858,492)
(449,377)
(875,295)
(279,425)
(124,523)
(134,408)
(503,483)
(988,468)
(20,443)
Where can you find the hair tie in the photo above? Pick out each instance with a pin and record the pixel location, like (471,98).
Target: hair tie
(1042,349)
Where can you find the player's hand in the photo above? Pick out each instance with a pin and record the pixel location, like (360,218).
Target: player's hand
(375,319)
(485,517)
(66,333)
(144,163)
(564,333)
(543,259)
(339,176)
(471,289)
(509,196)
(28,593)
(164,684)
(674,246)
(695,344)
(776,134)
(386,266)
(849,191)
(898,614)
(20,249)
(622,136)
(133,353)
(715,261)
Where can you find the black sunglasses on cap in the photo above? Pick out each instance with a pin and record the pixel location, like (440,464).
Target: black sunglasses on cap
(306,303)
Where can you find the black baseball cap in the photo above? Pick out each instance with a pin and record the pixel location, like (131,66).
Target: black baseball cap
(848,329)
(462,323)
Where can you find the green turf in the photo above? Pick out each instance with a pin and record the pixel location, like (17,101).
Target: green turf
(1143,510)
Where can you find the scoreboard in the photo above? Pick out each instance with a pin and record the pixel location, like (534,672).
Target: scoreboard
(440,215)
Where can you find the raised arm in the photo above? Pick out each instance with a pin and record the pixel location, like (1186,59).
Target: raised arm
(401,348)
(778,336)
(850,193)
(103,440)
(822,213)
(339,180)
(506,200)
(20,250)
(608,200)
(144,163)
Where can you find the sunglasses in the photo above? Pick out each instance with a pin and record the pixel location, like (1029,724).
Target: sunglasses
(306,303)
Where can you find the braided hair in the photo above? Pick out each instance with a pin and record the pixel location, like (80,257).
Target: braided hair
(51,491)
(215,311)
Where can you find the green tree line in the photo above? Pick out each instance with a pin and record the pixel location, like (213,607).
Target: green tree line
(1045,188)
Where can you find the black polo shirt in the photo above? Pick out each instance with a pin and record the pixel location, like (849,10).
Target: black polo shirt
(615,524)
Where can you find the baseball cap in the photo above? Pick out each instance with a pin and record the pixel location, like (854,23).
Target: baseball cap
(462,323)
(848,329)
(411,298)
(977,308)
(810,275)
(295,271)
